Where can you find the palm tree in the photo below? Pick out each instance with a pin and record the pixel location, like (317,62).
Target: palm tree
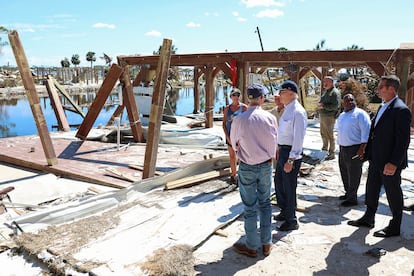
(173,50)
(90,56)
(65,64)
(75,61)
(320,45)
(354,47)
(2,44)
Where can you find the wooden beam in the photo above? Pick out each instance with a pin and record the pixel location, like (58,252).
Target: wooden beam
(130,104)
(157,109)
(68,97)
(117,113)
(275,58)
(196,179)
(196,90)
(377,67)
(33,97)
(98,103)
(57,106)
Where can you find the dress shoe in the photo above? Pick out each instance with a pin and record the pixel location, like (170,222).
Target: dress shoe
(279,217)
(361,223)
(243,249)
(386,233)
(286,226)
(267,248)
(342,197)
(348,203)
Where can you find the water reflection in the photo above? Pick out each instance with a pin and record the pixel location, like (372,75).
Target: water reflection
(16,118)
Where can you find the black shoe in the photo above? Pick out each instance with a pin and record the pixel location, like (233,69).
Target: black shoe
(361,223)
(330,156)
(342,197)
(233,180)
(279,217)
(288,226)
(386,233)
(349,203)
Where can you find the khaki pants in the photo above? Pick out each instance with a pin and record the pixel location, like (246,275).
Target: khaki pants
(326,127)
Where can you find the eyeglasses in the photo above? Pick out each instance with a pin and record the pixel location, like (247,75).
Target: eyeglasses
(236,94)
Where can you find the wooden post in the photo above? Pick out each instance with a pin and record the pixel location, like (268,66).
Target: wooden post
(31,93)
(130,104)
(96,106)
(57,106)
(157,109)
(209,97)
(403,71)
(196,90)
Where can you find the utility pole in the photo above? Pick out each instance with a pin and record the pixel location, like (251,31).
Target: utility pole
(267,72)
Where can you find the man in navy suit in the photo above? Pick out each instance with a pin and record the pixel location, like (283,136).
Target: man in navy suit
(387,154)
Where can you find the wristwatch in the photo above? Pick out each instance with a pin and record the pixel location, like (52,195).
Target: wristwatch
(290,161)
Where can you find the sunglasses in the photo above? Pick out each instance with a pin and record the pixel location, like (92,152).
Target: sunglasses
(236,94)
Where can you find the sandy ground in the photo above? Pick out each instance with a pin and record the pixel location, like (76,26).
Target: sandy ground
(324,243)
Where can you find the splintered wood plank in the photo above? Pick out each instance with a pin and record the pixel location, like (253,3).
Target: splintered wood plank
(141,168)
(57,106)
(195,179)
(103,93)
(33,97)
(122,175)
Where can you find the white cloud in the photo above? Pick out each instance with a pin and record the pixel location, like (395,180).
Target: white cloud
(269,13)
(235,14)
(153,33)
(241,19)
(261,3)
(193,25)
(103,25)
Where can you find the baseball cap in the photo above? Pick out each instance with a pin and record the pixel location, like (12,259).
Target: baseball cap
(255,91)
(288,85)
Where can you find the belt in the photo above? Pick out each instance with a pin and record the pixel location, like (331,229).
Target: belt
(285,146)
(269,162)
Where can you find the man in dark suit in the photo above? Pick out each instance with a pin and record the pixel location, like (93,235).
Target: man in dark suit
(387,154)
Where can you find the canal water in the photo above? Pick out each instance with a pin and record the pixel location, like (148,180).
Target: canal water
(16,118)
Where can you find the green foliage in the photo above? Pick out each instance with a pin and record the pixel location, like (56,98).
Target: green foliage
(65,62)
(90,56)
(173,50)
(75,60)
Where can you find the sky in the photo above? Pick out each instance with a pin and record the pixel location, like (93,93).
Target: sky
(51,30)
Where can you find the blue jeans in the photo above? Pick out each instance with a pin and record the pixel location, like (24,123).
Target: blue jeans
(254,186)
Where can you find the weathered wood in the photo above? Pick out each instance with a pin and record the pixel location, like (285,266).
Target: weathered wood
(57,106)
(196,179)
(31,93)
(101,97)
(209,109)
(117,113)
(141,168)
(122,175)
(68,97)
(157,109)
(130,104)
(196,90)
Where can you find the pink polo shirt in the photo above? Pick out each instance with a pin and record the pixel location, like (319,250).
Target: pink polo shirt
(254,135)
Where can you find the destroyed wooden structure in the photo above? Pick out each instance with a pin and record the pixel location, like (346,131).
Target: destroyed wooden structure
(236,64)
